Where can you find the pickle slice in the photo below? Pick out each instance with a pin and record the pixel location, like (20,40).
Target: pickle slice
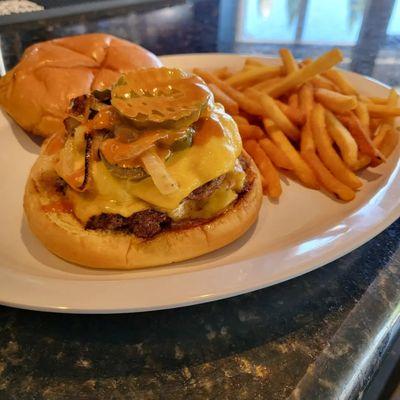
(134,173)
(184,141)
(160,98)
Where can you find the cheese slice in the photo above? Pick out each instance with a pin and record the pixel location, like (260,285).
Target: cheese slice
(191,168)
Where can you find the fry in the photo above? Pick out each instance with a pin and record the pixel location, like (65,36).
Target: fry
(343,139)
(326,178)
(374,123)
(272,110)
(381,133)
(362,138)
(361,163)
(254,62)
(361,112)
(337,78)
(239,119)
(300,167)
(392,101)
(261,86)
(253,75)
(230,105)
(295,116)
(389,143)
(324,175)
(378,100)
(307,141)
(293,100)
(306,99)
(326,151)
(382,111)
(267,170)
(305,62)
(288,61)
(323,83)
(248,105)
(300,76)
(335,101)
(277,156)
(250,132)
(223,73)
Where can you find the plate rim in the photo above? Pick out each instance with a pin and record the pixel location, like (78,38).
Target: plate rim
(361,239)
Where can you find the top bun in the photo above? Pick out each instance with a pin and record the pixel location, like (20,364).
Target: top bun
(38,90)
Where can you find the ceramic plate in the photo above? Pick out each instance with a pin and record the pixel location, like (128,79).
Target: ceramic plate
(303,231)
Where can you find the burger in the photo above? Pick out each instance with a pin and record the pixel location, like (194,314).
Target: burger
(37,91)
(148,172)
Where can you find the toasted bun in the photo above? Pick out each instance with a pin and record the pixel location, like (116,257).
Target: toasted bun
(65,236)
(37,92)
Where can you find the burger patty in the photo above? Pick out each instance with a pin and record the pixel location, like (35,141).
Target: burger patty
(143,224)
(205,191)
(148,223)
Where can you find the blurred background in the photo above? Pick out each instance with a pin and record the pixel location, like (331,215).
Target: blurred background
(368,31)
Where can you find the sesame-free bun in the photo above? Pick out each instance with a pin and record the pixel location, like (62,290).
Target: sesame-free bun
(37,91)
(65,236)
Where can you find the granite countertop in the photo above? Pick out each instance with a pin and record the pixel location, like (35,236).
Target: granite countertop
(319,336)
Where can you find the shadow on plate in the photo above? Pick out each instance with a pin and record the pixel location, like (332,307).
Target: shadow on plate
(40,253)
(29,142)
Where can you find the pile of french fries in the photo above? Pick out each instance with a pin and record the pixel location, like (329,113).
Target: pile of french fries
(308,120)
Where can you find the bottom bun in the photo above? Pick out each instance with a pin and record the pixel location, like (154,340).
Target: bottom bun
(65,236)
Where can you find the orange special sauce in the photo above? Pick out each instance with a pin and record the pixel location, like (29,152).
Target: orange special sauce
(104,119)
(58,206)
(206,129)
(54,144)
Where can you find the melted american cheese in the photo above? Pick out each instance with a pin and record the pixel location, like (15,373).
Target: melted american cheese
(191,168)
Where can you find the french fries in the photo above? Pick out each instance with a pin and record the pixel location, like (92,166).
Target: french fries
(295,115)
(307,118)
(326,151)
(272,111)
(248,105)
(306,99)
(326,178)
(340,81)
(362,138)
(361,112)
(230,105)
(300,167)
(389,142)
(382,111)
(254,75)
(270,174)
(343,139)
(288,61)
(277,156)
(302,75)
(335,101)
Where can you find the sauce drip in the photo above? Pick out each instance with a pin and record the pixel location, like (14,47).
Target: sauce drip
(206,129)
(117,152)
(55,144)
(58,206)
(106,118)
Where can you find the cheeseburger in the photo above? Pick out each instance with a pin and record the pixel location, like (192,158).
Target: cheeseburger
(149,172)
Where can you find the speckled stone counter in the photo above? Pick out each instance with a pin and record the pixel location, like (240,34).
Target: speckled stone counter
(319,336)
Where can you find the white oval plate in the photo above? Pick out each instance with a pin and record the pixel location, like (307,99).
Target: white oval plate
(304,231)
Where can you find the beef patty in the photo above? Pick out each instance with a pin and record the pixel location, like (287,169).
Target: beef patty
(148,223)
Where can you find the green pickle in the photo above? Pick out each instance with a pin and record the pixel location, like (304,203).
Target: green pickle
(132,173)
(160,98)
(183,142)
